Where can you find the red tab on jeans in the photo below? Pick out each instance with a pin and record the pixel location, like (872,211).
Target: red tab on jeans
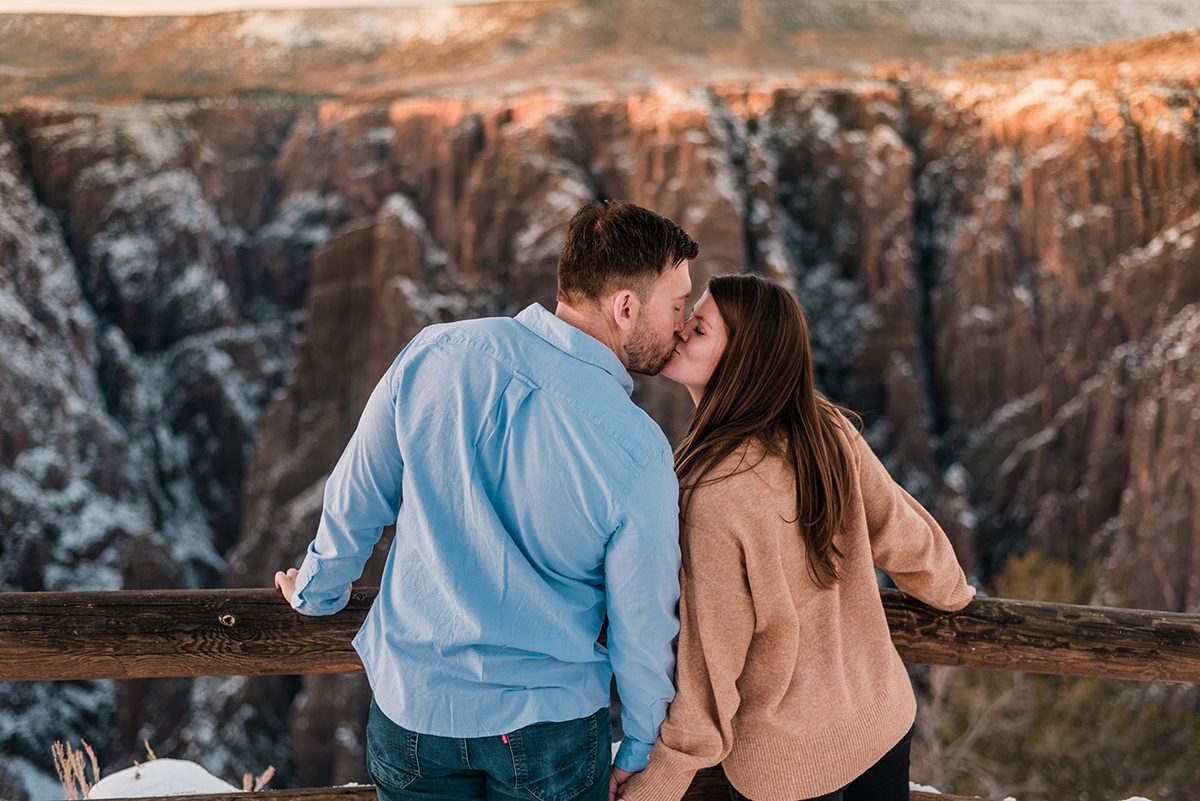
(504,739)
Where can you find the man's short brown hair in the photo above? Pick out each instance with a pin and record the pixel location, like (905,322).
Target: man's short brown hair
(615,245)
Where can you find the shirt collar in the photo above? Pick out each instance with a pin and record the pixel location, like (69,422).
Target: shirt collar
(573,342)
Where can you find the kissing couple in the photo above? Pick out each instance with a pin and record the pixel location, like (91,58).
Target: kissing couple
(533,500)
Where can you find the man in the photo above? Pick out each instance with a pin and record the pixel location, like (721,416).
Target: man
(531,497)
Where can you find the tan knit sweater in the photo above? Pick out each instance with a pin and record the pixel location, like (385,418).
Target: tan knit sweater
(794,689)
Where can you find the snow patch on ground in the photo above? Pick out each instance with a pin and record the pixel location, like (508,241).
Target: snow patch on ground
(161,777)
(365,31)
(1029,25)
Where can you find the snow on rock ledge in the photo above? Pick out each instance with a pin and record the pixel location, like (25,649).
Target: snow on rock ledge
(160,777)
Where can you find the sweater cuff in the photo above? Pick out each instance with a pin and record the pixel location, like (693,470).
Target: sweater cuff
(660,781)
(963,594)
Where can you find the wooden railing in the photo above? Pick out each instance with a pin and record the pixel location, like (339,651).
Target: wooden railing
(125,635)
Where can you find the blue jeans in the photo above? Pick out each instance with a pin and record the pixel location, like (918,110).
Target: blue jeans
(566,761)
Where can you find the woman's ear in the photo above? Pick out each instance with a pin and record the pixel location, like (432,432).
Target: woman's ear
(625,307)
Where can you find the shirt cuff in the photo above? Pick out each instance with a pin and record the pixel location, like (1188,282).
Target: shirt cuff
(306,599)
(320,608)
(632,755)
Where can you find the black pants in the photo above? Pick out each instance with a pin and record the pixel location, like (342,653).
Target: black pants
(886,780)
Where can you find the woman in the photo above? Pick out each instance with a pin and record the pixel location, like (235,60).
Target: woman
(786,672)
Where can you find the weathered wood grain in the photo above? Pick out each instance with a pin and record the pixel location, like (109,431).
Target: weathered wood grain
(122,635)
(1060,639)
(116,635)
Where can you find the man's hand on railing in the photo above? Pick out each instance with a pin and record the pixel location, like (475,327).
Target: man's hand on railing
(286,582)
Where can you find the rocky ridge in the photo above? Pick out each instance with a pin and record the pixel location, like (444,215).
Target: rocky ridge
(481,49)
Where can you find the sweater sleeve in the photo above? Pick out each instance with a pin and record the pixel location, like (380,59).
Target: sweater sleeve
(717,620)
(906,541)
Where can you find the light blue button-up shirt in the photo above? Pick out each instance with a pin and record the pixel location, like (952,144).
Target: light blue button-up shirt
(530,496)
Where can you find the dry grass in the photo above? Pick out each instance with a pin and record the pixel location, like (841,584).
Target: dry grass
(256,783)
(72,769)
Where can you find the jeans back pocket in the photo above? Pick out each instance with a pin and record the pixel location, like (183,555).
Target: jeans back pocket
(391,751)
(558,761)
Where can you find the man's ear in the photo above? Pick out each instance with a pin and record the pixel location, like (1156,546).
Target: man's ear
(625,307)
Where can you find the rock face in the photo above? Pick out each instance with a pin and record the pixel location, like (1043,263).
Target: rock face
(1002,271)
(136,366)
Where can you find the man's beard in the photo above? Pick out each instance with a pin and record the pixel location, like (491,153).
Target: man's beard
(644,353)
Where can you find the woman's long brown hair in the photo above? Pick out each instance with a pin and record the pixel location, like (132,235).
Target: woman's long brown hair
(762,389)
